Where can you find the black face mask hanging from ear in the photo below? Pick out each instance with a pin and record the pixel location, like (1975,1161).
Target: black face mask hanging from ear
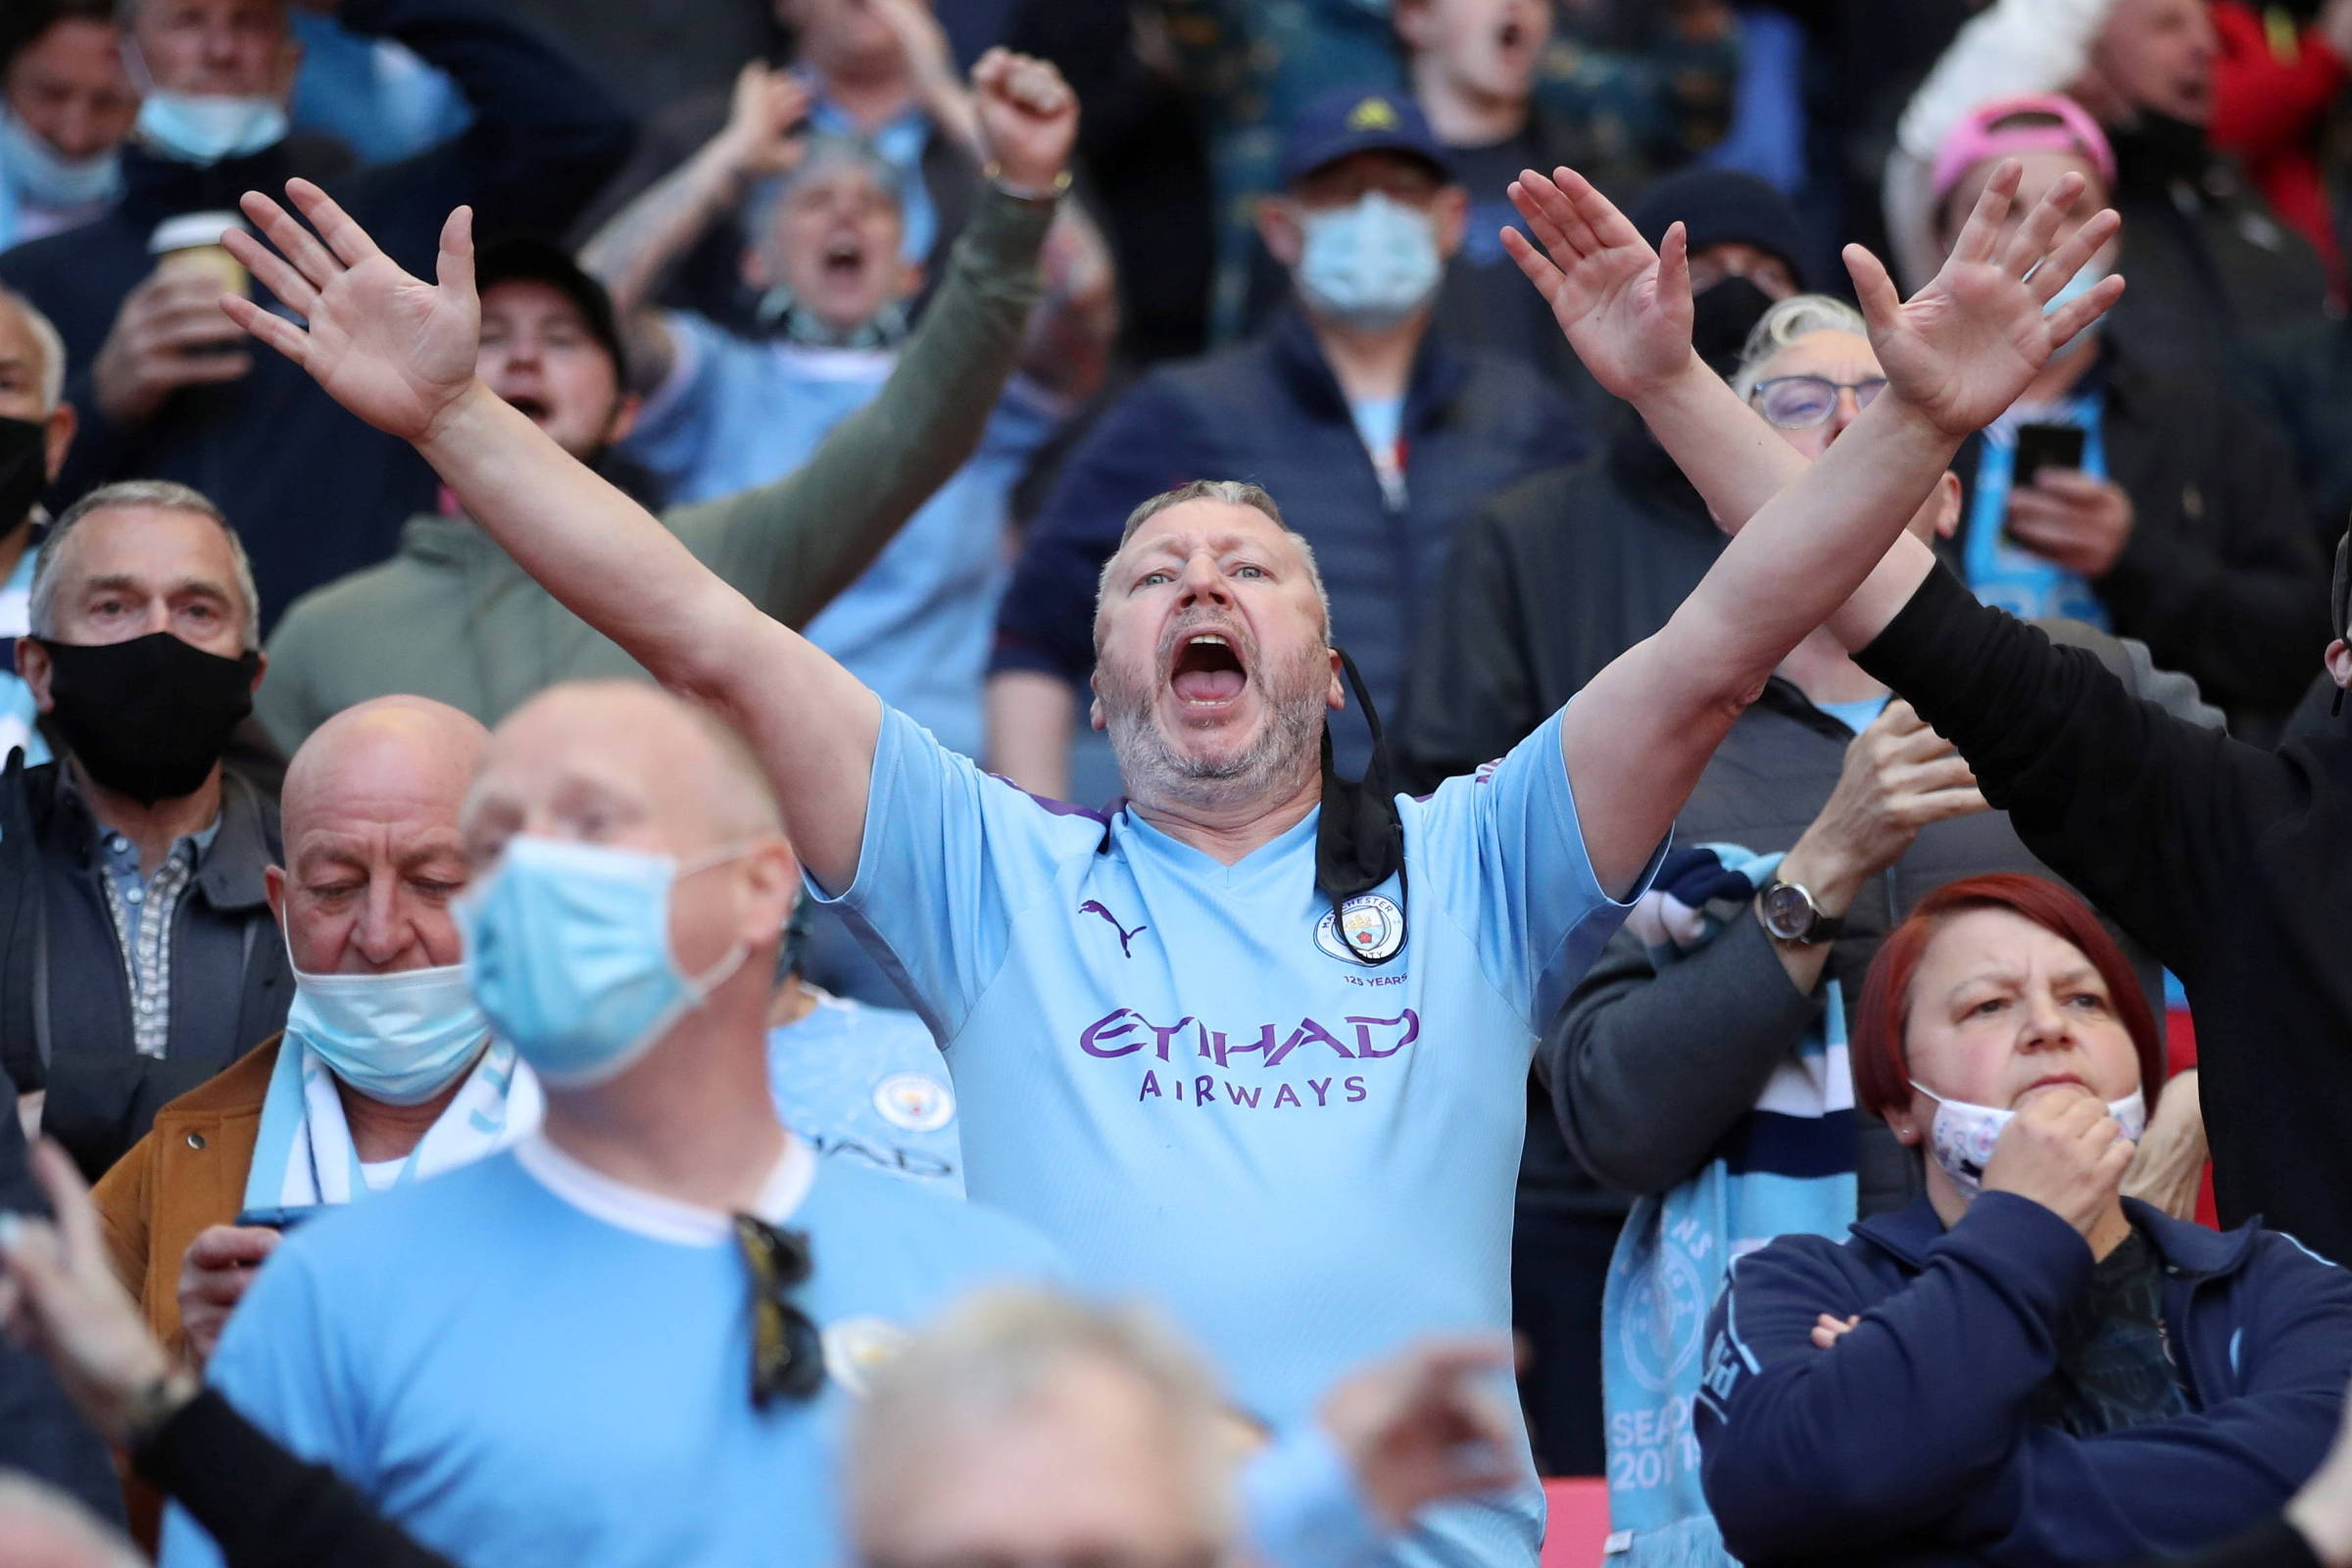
(150,717)
(23,469)
(1359,840)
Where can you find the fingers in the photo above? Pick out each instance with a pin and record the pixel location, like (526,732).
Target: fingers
(273,272)
(275,331)
(224,1246)
(1534,264)
(1942,805)
(2030,244)
(1674,263)
(1551,203)
(453,265)
(2069,258)
(74,1215)
(2074,318)
(1950,772)
(1983,226)
(2070,486)
(1609,226)
(294,242)
(1881,306)
(341,231)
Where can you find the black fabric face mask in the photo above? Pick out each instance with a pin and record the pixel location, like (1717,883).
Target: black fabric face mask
(150,717)
(23,469)
(1722,314)
(1359,839)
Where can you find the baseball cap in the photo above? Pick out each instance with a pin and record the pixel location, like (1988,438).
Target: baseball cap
(534,258)
(1984,132)
(1353,119)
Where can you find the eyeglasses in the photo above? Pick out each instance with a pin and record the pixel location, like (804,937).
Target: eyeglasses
(787,1354)
(1802,402)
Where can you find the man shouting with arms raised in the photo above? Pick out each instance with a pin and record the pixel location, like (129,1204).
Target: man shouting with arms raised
(1256,1042)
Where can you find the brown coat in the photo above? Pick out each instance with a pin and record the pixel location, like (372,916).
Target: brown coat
(187,1173)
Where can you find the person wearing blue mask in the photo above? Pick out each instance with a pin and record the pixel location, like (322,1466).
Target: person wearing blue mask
(631,1337)
(1253,1042)
(66,104)
(2170,515)
(37,426)
(385,1071)
(163,385)
(1379,434)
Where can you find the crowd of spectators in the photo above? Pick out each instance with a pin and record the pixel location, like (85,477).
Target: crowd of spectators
(935,782)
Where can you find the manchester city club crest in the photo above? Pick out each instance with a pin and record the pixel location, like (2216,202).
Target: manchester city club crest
(857,1347)
(1369,929)
(916,1101)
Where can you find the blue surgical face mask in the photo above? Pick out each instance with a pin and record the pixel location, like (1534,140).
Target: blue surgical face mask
(567,945)
(43,176)
(2090,277)
(208,127)
(1964,1133)
(1371,264)
(399,1038)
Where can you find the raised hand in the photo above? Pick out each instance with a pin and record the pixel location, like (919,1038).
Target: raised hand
(59,1296)
(1625,308)
(769,106)
(1962,349)
(394,351)
(1028,118)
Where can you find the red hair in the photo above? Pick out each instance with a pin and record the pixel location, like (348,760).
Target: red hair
(1879,1050)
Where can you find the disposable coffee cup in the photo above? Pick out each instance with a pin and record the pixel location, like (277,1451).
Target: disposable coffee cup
(191,243)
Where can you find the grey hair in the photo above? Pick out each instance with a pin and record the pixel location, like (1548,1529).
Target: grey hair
(26,1499)
(1799,315)
(161,494)
(1232,493)
(52,348)
(1000,1351)
(824,149)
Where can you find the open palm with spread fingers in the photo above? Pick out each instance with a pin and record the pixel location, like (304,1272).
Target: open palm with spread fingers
(394,350)
(1626,308)
(1962,349)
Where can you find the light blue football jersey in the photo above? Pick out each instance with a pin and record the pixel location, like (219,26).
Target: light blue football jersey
(523,1362)
(1177,1070)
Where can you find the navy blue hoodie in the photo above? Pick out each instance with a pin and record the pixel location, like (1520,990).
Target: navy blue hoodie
(1908,1442)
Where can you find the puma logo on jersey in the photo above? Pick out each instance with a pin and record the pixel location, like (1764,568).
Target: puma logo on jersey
(1094,907)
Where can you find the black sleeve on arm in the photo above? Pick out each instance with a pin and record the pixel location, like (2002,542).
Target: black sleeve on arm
(2091,776)
(267,1508)
(1470,691)
(1648,1069)
(546,133)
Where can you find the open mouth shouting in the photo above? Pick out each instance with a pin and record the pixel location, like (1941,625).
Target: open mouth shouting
(1207,671)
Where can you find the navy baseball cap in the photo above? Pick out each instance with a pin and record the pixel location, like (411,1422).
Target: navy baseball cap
(1356,120)
(534,258)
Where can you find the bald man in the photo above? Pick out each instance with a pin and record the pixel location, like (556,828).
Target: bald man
(631,1337)
(385,1071)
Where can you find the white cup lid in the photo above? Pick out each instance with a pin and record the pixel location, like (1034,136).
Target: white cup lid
(190,231)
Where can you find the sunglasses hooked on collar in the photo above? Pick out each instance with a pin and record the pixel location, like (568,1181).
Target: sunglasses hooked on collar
(788,1354)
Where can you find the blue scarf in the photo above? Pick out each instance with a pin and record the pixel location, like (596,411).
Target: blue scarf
(1786,1167)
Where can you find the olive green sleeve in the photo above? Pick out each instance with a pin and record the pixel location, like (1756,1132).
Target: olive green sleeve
(791,546)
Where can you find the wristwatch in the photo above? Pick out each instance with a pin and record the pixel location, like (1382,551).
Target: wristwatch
(1790,913)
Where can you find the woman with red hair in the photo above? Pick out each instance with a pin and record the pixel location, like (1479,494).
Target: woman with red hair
(2023,1366)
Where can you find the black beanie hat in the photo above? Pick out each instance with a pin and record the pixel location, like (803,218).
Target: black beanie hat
(1723,207)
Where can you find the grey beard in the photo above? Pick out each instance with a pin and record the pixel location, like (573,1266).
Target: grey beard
(1152,769)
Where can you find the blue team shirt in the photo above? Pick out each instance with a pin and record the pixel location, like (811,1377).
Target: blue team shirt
(526,1379)
(916,624)
(1168,1066)
(866,1084)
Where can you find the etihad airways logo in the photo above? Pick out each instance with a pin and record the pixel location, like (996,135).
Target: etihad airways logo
(1125,1033)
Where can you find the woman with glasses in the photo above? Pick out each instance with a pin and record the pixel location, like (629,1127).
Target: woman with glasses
(1701,1064)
